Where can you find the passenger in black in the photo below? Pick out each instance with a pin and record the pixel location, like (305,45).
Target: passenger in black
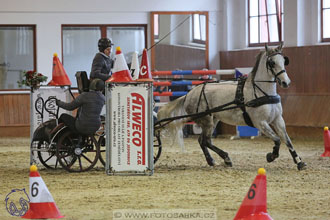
(90,104)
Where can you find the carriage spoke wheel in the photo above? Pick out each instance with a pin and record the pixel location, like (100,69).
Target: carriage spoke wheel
(47,155)
(75,157)
(157,146)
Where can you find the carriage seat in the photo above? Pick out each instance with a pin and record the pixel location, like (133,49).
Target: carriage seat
(82,81)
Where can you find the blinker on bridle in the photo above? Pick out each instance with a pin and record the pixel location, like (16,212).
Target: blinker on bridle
(271,64)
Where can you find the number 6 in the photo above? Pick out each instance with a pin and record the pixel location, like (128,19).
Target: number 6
(34,189)
(252,191)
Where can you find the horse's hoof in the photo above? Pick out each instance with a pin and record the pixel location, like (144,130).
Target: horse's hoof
(211,162)
(271,157)
(302,166)
(228,162)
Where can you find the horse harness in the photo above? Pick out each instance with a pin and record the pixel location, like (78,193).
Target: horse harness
(258,101)
(239,98)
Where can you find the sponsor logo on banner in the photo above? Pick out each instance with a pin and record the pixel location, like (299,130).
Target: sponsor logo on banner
(39,97)
(138,126)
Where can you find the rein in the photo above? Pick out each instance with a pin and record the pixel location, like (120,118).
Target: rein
(162,123)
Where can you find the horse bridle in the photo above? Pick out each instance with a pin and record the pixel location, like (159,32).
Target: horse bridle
(270,64)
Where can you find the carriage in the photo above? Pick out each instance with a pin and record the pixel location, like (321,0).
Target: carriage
(252,101)
(56,145)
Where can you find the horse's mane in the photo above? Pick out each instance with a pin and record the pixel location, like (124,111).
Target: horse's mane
(255,68)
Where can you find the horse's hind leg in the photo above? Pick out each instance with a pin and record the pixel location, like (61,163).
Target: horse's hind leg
(206,142)
(206,123)
(224,155)
(203,139)
(279,126)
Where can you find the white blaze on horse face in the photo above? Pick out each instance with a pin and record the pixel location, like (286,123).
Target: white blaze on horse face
(283,78)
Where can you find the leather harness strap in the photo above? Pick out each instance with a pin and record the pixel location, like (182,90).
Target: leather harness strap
(239,100)
(200,97)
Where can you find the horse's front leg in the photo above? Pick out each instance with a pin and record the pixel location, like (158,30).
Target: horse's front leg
(279,126)
(268,131)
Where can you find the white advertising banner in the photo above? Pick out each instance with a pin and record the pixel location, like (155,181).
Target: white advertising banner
(38,101)
(129,128)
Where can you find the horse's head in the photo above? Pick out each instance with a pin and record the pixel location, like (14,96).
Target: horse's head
(276,63)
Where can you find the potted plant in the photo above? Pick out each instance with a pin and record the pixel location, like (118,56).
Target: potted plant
(32,79)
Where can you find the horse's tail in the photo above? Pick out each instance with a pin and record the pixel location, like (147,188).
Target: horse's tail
(174,128)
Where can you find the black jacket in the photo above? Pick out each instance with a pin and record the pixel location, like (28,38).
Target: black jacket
(101,67)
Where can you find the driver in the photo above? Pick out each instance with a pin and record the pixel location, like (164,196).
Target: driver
(90,104)
(102,63)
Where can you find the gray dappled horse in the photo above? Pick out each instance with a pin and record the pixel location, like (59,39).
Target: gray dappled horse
(252,101)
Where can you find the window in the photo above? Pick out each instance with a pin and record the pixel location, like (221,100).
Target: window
(129,39)
(265,22)
(325,20)
(156,26)
(79,44)
(17,46)
(198,30)
(79,49)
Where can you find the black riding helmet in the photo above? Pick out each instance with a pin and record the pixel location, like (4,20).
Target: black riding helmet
(104,43)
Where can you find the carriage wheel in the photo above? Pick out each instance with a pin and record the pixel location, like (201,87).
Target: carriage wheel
(157,146)
(74,157)
(101,143)
(47,155)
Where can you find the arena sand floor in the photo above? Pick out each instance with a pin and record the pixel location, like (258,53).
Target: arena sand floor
(183,181)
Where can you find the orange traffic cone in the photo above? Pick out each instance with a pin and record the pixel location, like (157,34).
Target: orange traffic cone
(254,205)
(42,204)
(59,77)
(135,69)
(145,74)
(326,138)
(120,69)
